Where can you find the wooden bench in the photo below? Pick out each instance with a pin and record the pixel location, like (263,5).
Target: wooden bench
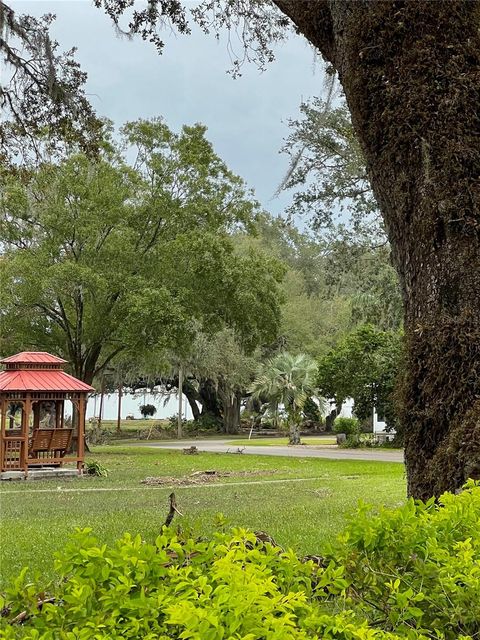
(60,443)
(50,443)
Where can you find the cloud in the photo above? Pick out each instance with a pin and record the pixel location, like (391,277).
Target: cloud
(246,117)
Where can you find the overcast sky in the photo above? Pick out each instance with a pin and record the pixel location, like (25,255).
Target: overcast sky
(246,117)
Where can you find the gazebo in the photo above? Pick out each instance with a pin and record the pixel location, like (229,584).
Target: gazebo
(35,385)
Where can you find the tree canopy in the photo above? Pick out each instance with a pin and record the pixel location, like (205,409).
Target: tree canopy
(328,174)
(102,258)
(42,92)
(364,366)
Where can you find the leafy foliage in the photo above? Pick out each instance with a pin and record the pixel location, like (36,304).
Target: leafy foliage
(331,286)
(220,368)
(144,248)
(287,380)
(148,410)
(311,411)
(95,468)
(416,569)
(411,573)
(364,366)
(329,173)
(347,426)
(367,277)
(256,24)
(42,94)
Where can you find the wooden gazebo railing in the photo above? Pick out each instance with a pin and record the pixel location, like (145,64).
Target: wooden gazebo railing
(32,383)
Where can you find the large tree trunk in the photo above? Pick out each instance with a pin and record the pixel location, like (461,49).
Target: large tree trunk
(411,75)
(231,412)
(192,396)
(211,405)
(330,418)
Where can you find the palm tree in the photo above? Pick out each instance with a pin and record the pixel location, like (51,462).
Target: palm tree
(287,380)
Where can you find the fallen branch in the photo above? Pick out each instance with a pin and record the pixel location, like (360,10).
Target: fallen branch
(173,510)
(24,615)
(237,451)
(191,451)
(263,538)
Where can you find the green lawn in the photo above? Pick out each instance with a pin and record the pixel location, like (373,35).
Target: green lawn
(271,442)
(302,504)
(133,427)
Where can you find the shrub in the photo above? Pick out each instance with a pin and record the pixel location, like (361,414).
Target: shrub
(347,426)
(411,573)
(352,441)
(359,440)
(148,410)
(227,587)
(94,468)
(416,567)
(205,424)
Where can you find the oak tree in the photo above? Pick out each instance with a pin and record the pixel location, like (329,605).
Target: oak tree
(102,259)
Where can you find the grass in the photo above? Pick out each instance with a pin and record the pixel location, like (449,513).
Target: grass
(38,517)
(283,441)
(132,429)
(134,426)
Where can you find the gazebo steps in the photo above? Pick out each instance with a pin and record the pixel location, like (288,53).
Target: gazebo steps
(39,474)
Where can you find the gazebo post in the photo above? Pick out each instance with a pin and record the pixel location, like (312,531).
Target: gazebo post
(27,408)
(36,415)
(3,426)
(58,407)
(81,432)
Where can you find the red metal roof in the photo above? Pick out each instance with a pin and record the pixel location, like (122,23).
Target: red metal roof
(33,371)
(39,357)
(40,380)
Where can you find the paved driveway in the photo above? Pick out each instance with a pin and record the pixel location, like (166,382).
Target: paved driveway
(302,451)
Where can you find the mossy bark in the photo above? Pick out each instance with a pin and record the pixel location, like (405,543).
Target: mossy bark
(411,75)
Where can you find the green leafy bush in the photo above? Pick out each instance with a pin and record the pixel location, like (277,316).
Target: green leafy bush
(416,567)
(205,424)
(352,441)
(412,573)
(94,468)
(228,587)
(348,426)
(147,410)
(359,440)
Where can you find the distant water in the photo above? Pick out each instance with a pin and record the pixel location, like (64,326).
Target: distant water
(131,404)
(167,405)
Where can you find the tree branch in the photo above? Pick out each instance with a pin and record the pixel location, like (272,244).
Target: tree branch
(109,359)
(313,19)
(173,510)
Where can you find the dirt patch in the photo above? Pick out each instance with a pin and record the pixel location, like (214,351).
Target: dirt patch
(203,477)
